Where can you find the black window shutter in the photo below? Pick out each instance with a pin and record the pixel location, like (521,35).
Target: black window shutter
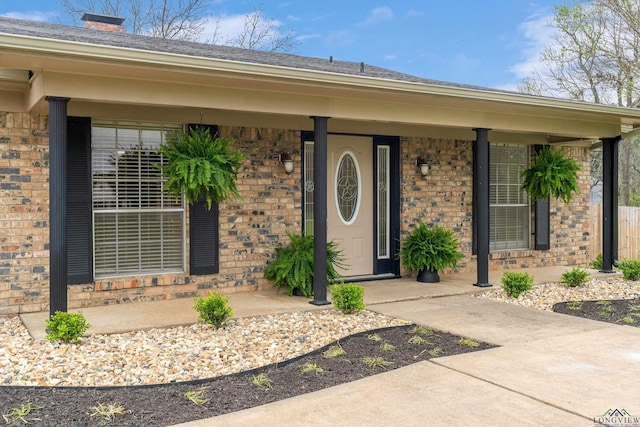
(79,225)
(542,225)
(203,231)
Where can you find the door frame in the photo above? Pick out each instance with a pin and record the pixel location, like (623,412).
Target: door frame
(383,268)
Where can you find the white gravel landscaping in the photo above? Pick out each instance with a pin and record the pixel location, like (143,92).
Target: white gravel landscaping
(173,354)
(201,351)
(545,295)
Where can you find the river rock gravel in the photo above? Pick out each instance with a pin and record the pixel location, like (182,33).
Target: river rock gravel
(544,296)
(200,351)
(174,354)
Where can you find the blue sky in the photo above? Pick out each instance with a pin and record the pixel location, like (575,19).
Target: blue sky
(490,43)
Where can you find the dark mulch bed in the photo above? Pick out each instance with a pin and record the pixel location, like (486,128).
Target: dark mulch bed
(166,404)
(621,312)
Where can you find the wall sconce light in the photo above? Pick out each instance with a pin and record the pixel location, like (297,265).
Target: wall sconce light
(423,166)
(287,162)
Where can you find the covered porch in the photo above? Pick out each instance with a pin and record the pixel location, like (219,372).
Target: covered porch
(121,318)
(268,104)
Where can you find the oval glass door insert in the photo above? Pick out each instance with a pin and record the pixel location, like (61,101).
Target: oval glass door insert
(348,187)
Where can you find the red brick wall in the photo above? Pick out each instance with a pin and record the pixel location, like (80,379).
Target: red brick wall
(444,197)
(103,27)
(24,213)
(250,228)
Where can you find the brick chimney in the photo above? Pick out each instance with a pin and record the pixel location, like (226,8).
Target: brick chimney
(103,22)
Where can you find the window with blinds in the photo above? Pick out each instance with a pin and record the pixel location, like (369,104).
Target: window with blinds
(138,228)
(509,205)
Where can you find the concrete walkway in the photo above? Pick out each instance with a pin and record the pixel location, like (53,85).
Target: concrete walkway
(160,314)
(550,370)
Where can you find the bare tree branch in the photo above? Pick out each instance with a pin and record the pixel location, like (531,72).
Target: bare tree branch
(262,34)
(185,20)
(595,57)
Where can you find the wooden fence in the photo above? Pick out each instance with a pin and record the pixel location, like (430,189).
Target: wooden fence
(628,231)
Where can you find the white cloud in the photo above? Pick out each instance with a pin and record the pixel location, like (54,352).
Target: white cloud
(304,37)
(223,29)
(31,16)
(377,15)
(511,87)
(538,35)
(414,13)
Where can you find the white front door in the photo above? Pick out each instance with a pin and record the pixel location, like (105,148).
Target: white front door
(350,207)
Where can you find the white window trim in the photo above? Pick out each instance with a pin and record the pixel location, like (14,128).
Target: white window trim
(510,245)
(182,269)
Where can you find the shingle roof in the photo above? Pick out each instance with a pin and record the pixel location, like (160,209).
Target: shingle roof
(152,44)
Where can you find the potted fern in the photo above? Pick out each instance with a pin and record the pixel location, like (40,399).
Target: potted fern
(201,165)
(551,173)
(428,249)
(293,265)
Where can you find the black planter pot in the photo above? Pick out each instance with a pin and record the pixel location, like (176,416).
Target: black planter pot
(297,292)
(428,276)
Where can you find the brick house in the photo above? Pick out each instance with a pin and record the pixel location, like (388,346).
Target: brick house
(83,220)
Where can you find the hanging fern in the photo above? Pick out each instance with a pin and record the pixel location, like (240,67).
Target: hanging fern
(201,166)
(552,173)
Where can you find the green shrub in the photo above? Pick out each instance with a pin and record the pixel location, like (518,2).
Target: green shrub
(213,309)
(66,327)
(630,269)
(430,248)
(575,277)
(596,264)
(348,297)
(516,283)
(293,265)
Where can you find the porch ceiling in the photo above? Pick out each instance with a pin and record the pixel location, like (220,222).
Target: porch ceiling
(109,82)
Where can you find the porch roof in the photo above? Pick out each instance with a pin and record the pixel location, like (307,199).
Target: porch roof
(118,75)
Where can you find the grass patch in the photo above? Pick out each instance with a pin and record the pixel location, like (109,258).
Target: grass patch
(628,320)
(311,367)
(261,380)
(197,396)
(21,414)
(436,352)
(421,331)
(606,309)
(376,362)
(374,337)
(385,346)
(468,342)
(574,305)
(333,351)
(418,340)
(108,411)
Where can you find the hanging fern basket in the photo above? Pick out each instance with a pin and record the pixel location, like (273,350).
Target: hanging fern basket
(201,166)
(552,174)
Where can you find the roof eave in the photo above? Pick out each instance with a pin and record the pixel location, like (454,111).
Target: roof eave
(115,54)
